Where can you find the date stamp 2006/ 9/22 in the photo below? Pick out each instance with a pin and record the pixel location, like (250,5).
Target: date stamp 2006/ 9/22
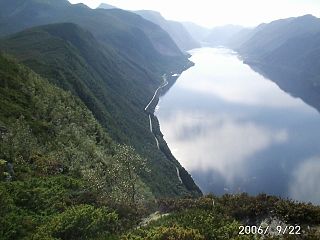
(265,230)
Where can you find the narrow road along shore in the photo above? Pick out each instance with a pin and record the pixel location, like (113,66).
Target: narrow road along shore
(165,83)
(151,130)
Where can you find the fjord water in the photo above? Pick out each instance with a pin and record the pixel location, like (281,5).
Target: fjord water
(236,131)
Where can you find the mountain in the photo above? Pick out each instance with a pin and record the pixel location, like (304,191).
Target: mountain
(287,52)
(114,89)
(196,31)
(300,55)
(149,44)
(63,177)
(239,38)
(106,6)
(268,37)
(219,36)
(77,159)
(112,60)
(56,159)
(175,29)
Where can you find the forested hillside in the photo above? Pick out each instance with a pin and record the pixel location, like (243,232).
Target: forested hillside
(77,158)
(115,92)
(58,164)
(125,33)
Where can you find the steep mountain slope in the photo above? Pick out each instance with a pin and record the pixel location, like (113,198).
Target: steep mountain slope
(287,52)
(56,159)
(196,31)
(268,37)
(131,36)
(115,90)
(239,38)
(300,55)
(175,29)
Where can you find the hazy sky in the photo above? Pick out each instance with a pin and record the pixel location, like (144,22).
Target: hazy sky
(219,12)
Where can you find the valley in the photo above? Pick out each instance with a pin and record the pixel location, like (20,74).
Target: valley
(129,124)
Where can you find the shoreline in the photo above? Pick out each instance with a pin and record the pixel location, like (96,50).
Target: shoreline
(182,174)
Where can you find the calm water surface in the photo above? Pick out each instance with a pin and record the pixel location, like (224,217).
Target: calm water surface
(236,131)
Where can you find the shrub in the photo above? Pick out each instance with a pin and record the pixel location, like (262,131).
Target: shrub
(80,222)
(165,233)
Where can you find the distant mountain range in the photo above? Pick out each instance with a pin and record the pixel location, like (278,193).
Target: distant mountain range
(219,35)
(176,30)
(197,32)
(285,50)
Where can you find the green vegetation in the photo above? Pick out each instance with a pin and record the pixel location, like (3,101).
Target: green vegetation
(77,160)
(59,168)
(149,45)
(170,233)
(115,92)
(63,177)
(80,222)
(218,218)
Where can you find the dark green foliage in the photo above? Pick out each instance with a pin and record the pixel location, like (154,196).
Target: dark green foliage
(210,224)
(80,222)
(132,164)
(3,170)
(44,195)
(165,233)
(294,212)
(114,69)
(176,205)
(199,215)
(115,91)
(184,175)
(61,176)
(55,157)
(32,202)
(220,217)
(243,206)
(141,42)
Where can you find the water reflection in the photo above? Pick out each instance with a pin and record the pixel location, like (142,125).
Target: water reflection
(235,131)
(224,77)
(225,142)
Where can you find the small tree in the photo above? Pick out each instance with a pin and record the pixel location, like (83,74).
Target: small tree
(129,165)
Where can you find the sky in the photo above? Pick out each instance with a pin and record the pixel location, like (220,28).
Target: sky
(210,13)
